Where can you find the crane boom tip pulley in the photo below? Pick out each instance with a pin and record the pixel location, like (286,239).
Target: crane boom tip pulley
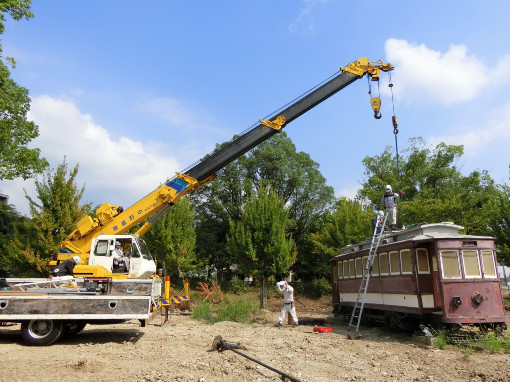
(373,69)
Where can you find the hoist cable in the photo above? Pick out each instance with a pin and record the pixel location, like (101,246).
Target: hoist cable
(395,133)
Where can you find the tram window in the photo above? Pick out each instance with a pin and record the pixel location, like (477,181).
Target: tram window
(339,270)
(422,260)
(359,269)
(352,272)
(450,264)
(488,264)
(375,266)
(346,269)
(434,263)
(383,262)
(405,260)
(394,263)
(364,263)
(471,264)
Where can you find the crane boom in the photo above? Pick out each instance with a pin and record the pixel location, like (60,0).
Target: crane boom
(113,220)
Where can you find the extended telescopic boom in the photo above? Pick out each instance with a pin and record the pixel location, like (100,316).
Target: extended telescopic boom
(114,220)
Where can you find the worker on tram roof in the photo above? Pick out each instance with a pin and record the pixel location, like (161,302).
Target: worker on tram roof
(389,204)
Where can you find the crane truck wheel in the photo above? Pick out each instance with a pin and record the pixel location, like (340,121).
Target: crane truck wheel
(41,332)
(72,328)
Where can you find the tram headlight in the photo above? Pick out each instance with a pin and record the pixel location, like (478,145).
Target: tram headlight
(457,301)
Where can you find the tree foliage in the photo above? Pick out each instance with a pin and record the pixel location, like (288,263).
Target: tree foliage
(292,175)
(11,222)
(172,240)
(499,224)
(259,242)
(349,222)
(433,187)
(54,215)
(16,159)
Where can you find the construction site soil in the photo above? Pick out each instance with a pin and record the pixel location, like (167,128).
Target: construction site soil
(182,351)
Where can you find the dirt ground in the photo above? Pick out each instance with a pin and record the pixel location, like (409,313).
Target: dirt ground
(182,351)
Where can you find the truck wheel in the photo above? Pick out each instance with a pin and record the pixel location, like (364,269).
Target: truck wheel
(73,327)
(41,332)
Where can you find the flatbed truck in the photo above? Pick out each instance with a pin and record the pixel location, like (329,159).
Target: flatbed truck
(49,309)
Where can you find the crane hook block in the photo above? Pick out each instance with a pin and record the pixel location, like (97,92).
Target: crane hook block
(376,106)
(277,124)
(394,120)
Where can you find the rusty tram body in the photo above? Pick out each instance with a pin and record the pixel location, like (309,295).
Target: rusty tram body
(428,274)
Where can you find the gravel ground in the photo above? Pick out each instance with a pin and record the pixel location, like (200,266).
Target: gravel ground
(182,351)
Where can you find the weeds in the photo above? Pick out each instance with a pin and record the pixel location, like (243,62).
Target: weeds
(238,310)
(202,311)
(491,342)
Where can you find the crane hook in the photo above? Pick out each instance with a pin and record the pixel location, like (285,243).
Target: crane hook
(376,106)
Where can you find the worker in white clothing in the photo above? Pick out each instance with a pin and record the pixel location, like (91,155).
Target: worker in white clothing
(288,303)
(389,204)
(119,260)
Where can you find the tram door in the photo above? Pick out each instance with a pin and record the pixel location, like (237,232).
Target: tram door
(435,279)
(428,277)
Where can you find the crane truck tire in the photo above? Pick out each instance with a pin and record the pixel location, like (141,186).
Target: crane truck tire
(41,332)
(72,327)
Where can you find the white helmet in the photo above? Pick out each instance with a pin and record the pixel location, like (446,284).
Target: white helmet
(380,213)
(388,188)
(76,259)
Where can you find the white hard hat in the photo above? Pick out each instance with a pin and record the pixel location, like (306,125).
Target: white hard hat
(388,187)
(380,213)
(76,259)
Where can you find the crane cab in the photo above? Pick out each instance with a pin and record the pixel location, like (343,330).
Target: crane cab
(137,261)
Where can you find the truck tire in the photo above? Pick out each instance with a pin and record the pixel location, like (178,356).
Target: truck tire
(72,328)
(41,332)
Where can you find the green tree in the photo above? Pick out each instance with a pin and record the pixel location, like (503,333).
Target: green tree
(348,223)
(54,217)
(172,240)
(16,159)
(499,224)
(11,223)
(295,178)
(215,204)
(434,188)
(292,175)
(259,241)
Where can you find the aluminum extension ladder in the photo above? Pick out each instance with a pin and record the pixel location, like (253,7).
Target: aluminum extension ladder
(357,311)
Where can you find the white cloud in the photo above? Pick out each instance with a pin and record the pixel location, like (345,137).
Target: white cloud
(484,138)
(427,75)
(170,110)
(348,191)
(117,170)
(305,23)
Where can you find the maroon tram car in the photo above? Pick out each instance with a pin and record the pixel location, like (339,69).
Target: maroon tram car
(426,274)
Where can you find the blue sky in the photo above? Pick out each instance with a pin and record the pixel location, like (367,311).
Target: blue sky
(134,93)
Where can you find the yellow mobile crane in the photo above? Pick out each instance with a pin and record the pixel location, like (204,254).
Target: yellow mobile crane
(94,239)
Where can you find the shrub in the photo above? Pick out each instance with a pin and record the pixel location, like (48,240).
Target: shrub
(212,293)
(238,287)
(320,287)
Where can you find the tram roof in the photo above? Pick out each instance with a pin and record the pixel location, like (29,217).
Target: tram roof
(415,232)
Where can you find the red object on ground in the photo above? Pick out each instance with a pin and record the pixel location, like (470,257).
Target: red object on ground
(322,329)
